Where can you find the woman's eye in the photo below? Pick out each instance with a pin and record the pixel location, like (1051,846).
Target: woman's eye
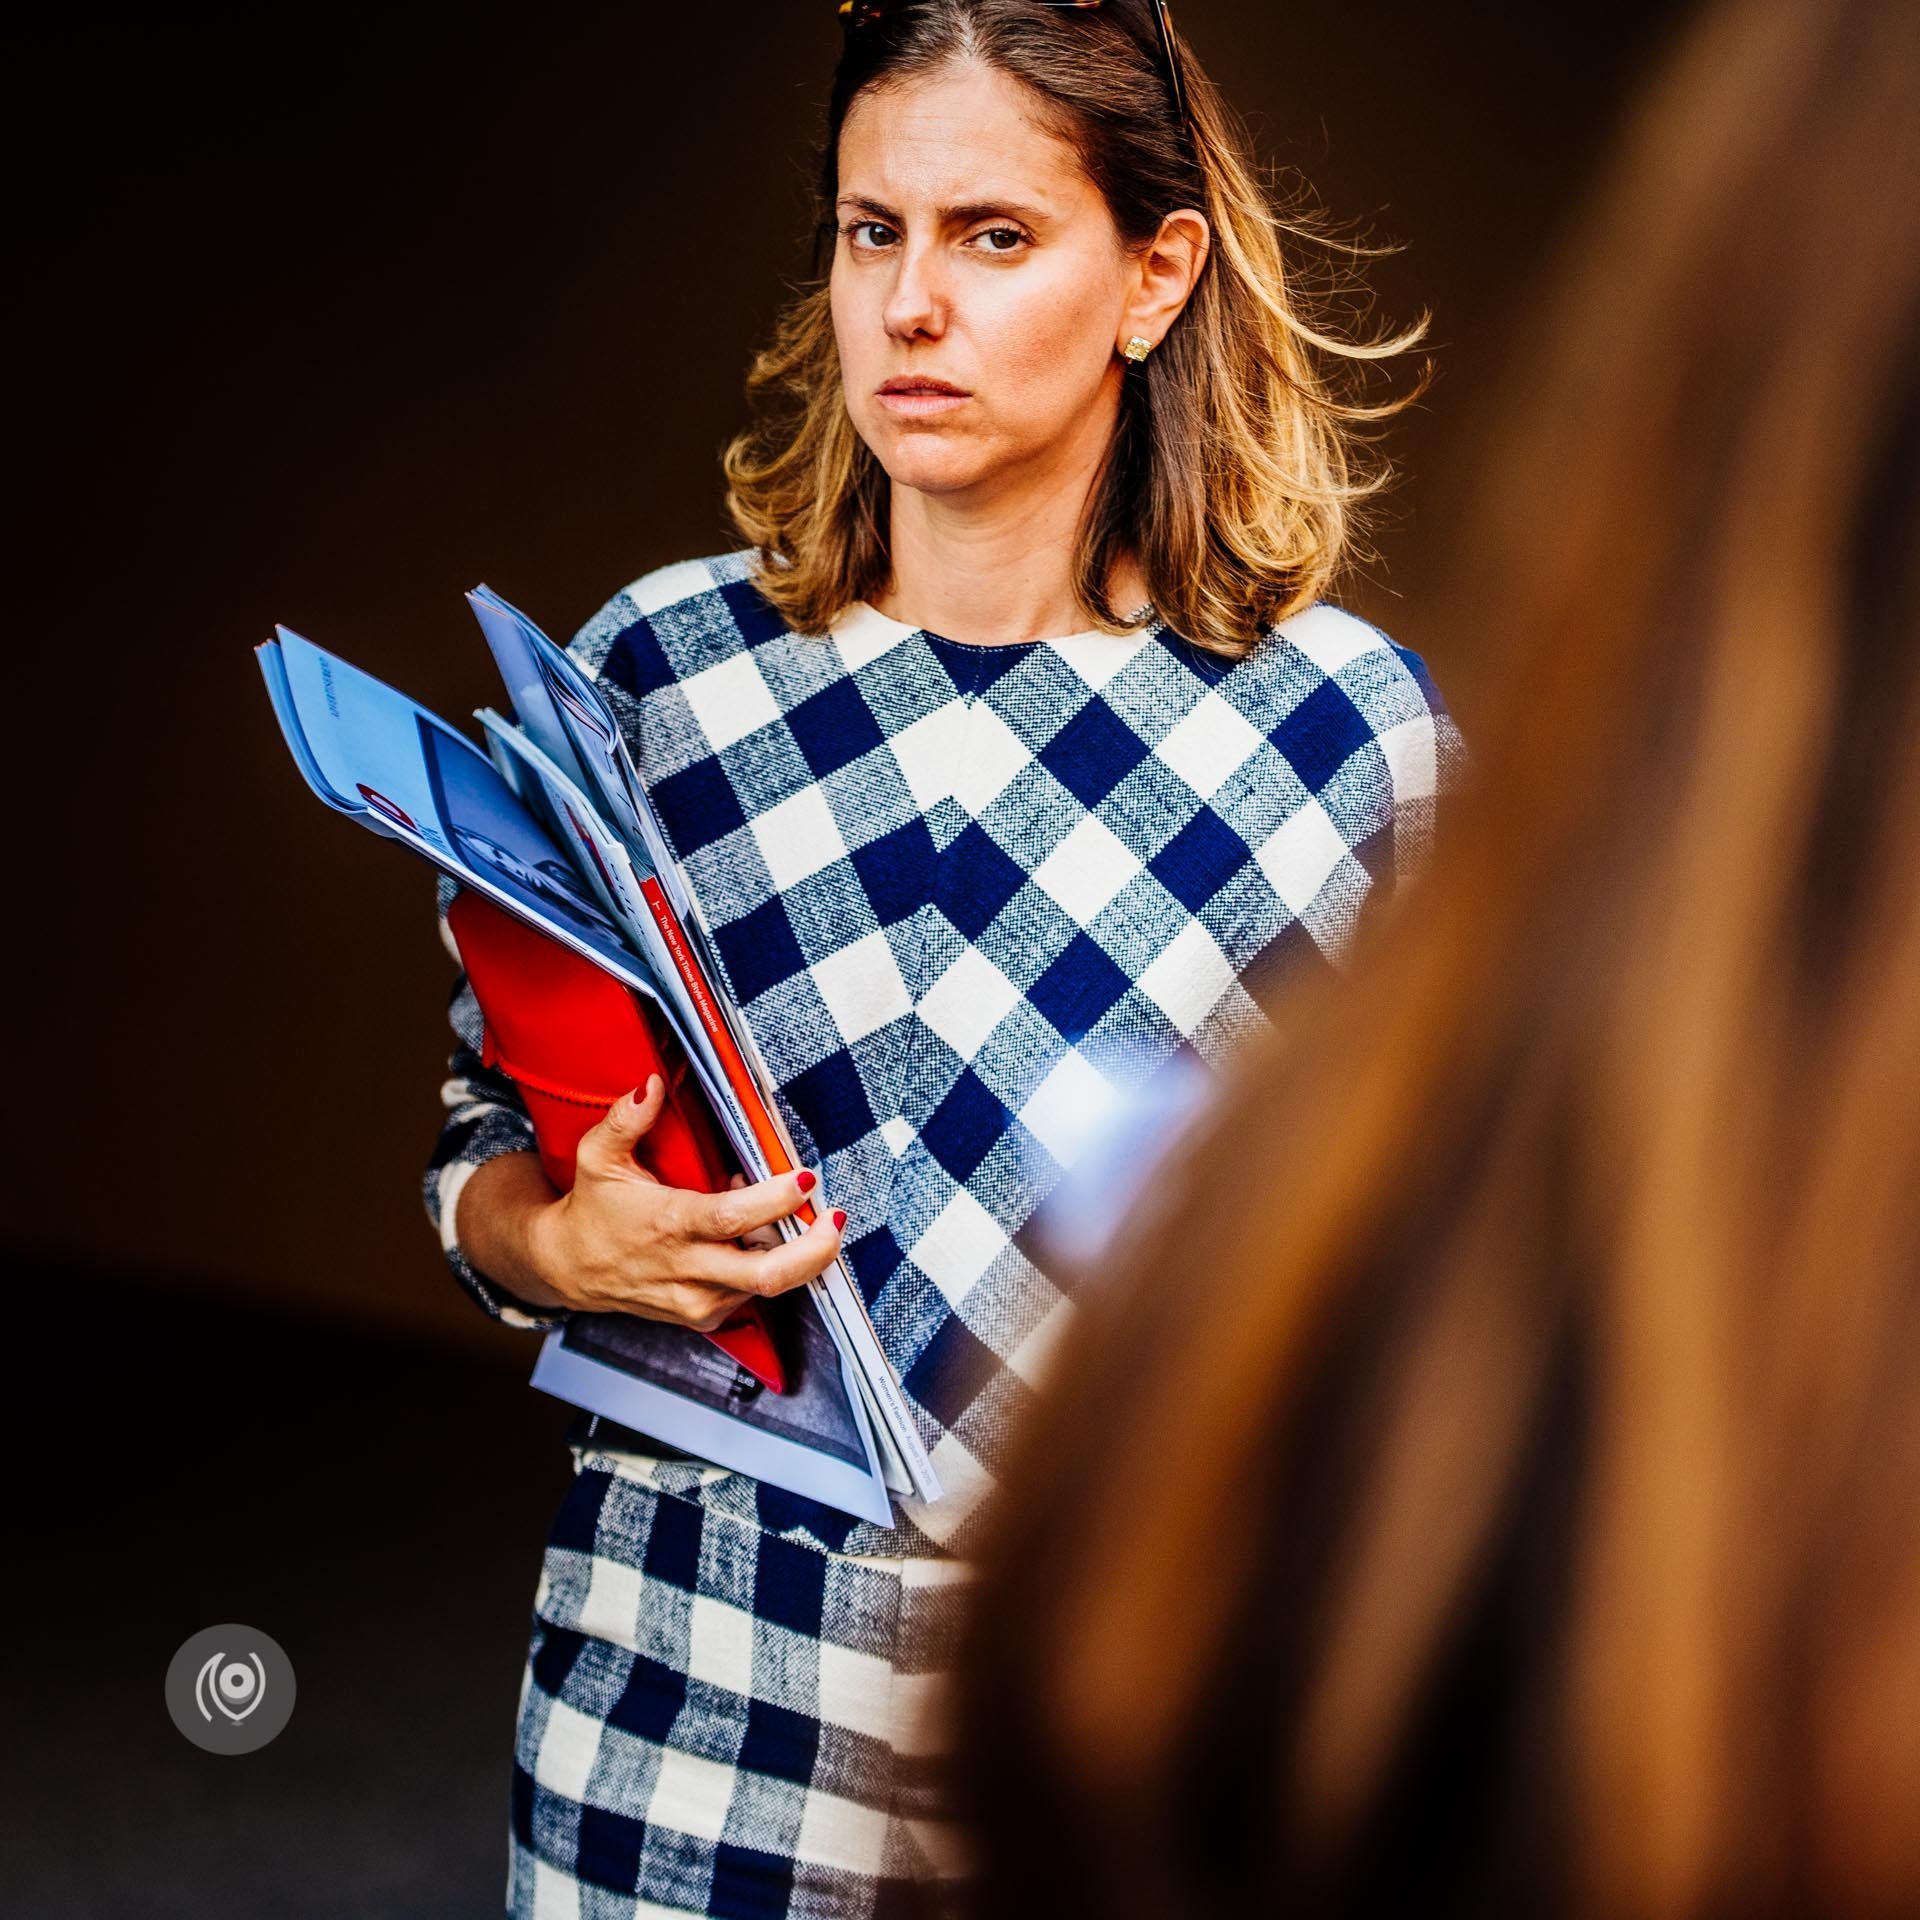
(1002,239)
(861,233)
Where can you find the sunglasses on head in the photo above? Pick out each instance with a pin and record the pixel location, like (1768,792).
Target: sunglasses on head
(858,14)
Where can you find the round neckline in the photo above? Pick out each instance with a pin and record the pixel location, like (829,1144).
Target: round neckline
(986,646)
(904,631)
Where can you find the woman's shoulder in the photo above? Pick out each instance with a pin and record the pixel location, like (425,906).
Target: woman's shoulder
(677,621)
(1325,684)
(1325,643)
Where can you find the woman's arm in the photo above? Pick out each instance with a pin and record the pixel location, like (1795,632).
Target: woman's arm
(494,1216)
(483,1120)
(619,1242)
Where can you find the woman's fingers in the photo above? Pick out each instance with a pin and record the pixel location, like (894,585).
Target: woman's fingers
(634,1245)
(693,1304)
(606,1148)
(761,1237)
(743,1210)
(782,1268)
(708,1309)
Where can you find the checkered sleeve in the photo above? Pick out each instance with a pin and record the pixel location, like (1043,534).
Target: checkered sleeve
(1427,761)
(484,1117)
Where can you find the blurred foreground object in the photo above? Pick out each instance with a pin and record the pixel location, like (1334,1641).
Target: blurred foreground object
(1497,1486)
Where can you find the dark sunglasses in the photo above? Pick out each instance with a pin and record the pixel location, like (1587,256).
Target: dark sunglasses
(856,14)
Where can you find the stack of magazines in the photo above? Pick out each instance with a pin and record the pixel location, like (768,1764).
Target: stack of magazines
(552,824)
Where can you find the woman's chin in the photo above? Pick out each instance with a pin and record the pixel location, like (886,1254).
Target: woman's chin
(929,467)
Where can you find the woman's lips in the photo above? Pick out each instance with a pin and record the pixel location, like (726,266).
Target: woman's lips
(921,402)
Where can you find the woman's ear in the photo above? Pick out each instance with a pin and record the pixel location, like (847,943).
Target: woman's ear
(1165,277)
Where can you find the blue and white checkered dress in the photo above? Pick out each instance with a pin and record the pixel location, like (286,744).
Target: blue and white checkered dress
(960,892)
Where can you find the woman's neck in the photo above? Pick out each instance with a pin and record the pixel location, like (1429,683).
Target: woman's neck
(995,573)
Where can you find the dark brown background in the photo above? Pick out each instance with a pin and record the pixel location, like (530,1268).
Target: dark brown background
(335,319)
(322,317)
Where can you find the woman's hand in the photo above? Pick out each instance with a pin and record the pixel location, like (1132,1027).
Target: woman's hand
(620,1242)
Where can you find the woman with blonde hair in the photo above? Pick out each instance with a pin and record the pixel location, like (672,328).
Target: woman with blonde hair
(1015,735)
(1541,1395)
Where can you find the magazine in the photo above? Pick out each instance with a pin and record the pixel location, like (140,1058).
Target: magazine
(551,823)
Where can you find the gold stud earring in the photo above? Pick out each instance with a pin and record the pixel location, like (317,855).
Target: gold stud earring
(1137,349)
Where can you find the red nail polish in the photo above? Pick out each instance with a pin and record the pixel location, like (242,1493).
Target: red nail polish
(805,1181)
(839,1221)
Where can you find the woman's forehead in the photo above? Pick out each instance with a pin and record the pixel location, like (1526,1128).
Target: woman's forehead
(965,136)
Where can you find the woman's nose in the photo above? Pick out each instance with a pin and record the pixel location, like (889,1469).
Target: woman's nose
(917,300)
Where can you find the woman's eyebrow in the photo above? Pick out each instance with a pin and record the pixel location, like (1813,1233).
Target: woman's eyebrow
(986,209)
(955,216)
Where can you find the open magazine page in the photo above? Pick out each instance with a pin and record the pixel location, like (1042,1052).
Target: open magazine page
(567,717)
(602,857)
(566,813)
(564,715)
(280,691)
(422,783)
(403,771)
(415,780)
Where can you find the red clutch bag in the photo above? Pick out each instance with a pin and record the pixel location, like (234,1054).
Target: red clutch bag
(573,1040)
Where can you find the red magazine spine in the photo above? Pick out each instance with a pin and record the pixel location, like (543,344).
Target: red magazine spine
(732,1063)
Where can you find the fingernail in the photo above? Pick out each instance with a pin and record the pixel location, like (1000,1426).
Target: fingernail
(805,1181)
(839,1221)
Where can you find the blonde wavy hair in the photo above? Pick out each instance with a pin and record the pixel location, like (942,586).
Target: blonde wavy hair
(1243,459)
(1517,1514)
